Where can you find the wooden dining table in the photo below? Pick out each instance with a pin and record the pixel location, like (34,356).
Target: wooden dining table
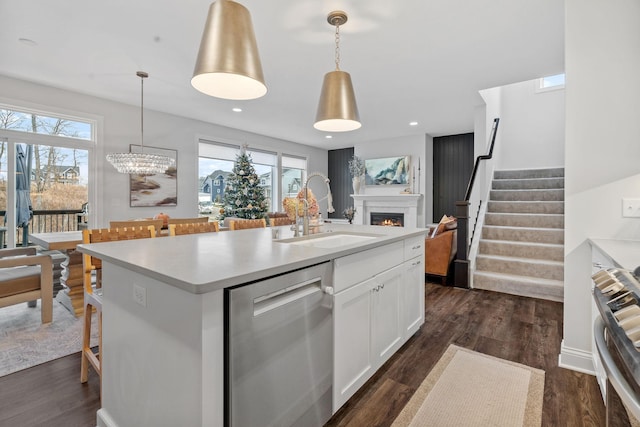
(72,296)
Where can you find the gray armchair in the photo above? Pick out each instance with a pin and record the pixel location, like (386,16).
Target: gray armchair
(26,276)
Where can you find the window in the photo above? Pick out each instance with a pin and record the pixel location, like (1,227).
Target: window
(56,150)
(548,83)
(293,173)
(215,163)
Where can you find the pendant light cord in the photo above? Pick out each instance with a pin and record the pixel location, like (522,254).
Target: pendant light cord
(337,47)
(141,114)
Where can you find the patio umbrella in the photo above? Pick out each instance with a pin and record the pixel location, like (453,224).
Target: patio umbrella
(23,193)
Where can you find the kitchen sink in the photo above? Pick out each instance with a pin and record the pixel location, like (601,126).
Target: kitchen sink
(330,240)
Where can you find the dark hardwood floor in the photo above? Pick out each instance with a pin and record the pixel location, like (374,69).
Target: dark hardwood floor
(520,329)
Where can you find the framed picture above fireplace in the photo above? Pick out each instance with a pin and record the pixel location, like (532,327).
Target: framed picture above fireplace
(387,171)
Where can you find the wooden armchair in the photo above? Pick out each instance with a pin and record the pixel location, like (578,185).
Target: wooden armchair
(93,298)
(440,249)
(193,228)
(24,277)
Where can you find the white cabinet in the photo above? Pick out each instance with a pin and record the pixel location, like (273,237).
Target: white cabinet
(368,329)
(376,316)
(413,295)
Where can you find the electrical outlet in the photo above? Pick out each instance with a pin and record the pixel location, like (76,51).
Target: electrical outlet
(631,208)
(140,295)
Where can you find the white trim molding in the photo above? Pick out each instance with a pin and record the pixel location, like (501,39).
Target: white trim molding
(576,359)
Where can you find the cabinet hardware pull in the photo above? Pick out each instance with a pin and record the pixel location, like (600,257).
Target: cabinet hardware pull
(415,263)
(416,247)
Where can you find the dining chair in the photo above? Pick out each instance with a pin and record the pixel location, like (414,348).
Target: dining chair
(199,219)
(193,228)
(277,221)
(241,224)
(157,224)
(93,297)
(26,276)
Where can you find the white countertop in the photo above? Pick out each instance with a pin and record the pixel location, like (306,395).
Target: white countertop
(201,263)
(625,253)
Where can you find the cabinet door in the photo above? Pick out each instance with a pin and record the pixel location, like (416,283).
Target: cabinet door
(353,361)
(386,322)
(413,298)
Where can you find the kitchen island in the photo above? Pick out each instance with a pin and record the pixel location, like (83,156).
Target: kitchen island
(163,312)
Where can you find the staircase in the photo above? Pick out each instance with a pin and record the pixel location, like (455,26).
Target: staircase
(521,250)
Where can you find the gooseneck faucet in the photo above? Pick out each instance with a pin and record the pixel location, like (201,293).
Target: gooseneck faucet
(329,197)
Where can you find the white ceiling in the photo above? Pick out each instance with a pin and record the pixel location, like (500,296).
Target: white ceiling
(422,60)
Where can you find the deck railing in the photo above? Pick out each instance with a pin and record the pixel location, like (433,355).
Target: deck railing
(48,221)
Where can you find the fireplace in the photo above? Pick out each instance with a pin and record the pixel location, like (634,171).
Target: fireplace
(405,204)
(387,219)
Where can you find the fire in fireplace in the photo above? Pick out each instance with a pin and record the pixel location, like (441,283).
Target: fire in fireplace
(387,219)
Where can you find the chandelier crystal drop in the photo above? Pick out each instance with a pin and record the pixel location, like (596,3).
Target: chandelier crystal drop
(140,163)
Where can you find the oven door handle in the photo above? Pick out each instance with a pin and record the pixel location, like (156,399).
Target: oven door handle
(614,375)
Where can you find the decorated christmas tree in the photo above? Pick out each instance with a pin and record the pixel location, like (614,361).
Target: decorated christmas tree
(243,197)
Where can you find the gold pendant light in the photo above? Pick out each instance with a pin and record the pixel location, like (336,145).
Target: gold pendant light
(228,64)
(140,163)
(337,108)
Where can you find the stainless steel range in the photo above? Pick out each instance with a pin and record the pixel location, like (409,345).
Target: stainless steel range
(616,293)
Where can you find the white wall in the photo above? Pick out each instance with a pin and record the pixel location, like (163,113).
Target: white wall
(121,127)
(602,151)
(414,146)
(531,127)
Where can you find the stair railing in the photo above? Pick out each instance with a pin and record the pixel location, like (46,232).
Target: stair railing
(461,263)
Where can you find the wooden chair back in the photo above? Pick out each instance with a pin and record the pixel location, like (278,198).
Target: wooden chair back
(98,235)
(199,219)
(274,222)
(157,224)
(193,228)
(242,224)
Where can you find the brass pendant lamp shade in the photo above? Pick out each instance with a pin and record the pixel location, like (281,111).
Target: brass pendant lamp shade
(228,64)
(337,108)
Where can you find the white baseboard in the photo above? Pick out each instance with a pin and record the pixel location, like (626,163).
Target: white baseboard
(104,420)
(576,359)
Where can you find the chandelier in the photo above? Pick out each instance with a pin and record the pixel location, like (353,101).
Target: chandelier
(140,163)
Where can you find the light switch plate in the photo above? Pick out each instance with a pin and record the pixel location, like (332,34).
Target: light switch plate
(140,295)
(631,208)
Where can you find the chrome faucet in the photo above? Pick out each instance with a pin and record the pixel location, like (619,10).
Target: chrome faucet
(329,197)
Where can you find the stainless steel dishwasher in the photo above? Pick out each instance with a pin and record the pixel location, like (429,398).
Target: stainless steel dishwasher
(279,350)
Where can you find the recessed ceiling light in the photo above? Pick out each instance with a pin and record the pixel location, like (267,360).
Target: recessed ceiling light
(328,136)
(236,109)
(28,42)
(413,123)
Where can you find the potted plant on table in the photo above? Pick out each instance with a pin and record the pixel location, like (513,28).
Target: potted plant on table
(357,170)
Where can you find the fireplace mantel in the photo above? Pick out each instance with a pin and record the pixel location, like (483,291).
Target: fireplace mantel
(397,203)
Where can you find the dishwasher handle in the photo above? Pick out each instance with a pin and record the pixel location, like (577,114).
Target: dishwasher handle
(614,376)
(277,299)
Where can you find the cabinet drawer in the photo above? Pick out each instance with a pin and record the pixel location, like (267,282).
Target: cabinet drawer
(413,247)
(361,266)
